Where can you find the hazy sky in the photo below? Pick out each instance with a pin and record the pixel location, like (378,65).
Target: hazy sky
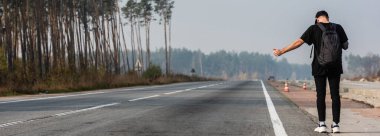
(261,25)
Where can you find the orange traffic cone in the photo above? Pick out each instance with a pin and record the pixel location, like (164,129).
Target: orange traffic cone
(286,89)
(304,86)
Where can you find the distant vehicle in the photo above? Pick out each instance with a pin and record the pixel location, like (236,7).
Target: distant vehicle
(271,78)
(192,70)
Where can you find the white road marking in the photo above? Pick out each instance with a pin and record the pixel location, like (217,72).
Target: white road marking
(278,128)
(10,124)
(57,115)
(137,88)
(144,98)
(55,97)
(92,108)
(65,96)
(87,109)
(169,93)
(154,86)
(180,91)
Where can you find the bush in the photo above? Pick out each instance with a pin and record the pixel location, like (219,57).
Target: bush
(153,72)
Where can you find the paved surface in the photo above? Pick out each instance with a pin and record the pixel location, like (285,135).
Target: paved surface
(186,109)
(361,85)
(357,119)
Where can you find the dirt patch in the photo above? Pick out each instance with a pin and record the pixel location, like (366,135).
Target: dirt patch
(369,112)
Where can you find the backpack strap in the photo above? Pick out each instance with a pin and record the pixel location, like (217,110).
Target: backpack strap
(323,28)
(311,52)
(333,26)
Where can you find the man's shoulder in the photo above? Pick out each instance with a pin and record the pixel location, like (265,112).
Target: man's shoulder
(337,25)
(313,27)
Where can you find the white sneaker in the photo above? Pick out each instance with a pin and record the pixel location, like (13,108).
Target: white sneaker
(321,129)
(335,128)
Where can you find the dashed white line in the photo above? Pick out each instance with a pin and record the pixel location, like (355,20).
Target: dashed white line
(278,128)
(65,96)
(87,109)
(10,124)
(55,97)
(169,93)
(57,115)
(92,108)
(135,89)
(179,91)
(190,89)
(143,98)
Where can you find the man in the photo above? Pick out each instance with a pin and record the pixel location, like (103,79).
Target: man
(316,35)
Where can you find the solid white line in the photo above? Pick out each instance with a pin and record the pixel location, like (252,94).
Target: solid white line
(46,98)
(87,109)
(278,128)
(144,98)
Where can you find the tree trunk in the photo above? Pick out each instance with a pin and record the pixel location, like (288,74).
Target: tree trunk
(166,49)
(170,44)
(125,43)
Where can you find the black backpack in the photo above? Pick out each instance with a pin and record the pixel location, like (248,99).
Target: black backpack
(330,45)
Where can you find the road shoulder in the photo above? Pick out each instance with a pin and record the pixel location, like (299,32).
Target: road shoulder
(357,118)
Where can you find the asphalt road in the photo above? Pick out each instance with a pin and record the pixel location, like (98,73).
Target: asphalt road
(187,109)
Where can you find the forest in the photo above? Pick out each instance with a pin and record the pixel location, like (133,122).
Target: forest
(367,66)
(68,42)
(232,65)
(83,44)
(253,65)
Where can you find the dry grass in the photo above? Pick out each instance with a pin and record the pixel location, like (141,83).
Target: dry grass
(5,92)
(54,85)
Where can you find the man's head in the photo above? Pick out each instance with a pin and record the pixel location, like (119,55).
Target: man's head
(321,16)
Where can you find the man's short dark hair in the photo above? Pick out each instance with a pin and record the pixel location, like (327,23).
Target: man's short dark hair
(322,13)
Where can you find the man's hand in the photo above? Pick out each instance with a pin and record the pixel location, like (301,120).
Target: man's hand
(294,45)
(277,52)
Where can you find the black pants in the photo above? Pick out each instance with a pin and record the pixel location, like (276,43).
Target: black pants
(320,82)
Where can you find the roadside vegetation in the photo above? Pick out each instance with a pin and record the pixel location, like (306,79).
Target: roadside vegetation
(232,65)
(99,80)
(49,46)
(363,68)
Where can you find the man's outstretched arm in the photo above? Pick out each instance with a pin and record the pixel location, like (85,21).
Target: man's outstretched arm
(294,45)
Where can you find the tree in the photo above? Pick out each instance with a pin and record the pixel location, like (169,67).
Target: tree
(147,15)
(129,11)
(50,37)
(164,9)
(231,64)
